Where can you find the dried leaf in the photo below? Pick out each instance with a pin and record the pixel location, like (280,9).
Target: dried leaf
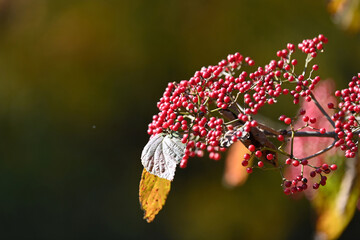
(153,191)
(259,139)
(235,174)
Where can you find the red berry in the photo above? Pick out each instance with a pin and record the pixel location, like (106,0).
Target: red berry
(333,167)
(295,163)
(280,137)
(287,184)
(260,164)
(217,156)
(183,163)
(269,157)
(313,120)
(288,161)
(245,163)
(282,117)
(290,46)
(304,162)
(315,67)
(330,105)
(254,123)
(249,170)
(251,148)
(258,154)
(287,121)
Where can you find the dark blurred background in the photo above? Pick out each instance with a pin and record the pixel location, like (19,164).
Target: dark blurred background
(79,82)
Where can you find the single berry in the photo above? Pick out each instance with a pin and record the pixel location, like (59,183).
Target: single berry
(251,148)
(333,167)
(280,138)
(258,154)
(305,118)
(295,163)
(183,163)
(324,166)
(282,117)
(287,184)
(287,121)
(330,105)
(304,162)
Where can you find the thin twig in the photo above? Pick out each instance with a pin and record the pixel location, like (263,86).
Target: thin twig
(319,152)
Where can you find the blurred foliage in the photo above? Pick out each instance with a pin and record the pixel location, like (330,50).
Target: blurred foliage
(235,173)
(336,203)
(79,84)
(346,13)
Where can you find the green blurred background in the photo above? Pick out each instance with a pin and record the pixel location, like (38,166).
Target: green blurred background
(79,82)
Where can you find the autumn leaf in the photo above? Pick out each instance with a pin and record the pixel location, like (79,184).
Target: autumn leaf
(153,191)
(306,146)
(235,174)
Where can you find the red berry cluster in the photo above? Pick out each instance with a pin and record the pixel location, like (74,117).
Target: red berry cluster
(184,107)
(347,118)
(193,109)
(300,182)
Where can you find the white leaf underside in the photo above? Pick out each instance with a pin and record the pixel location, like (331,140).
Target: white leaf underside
(161,155)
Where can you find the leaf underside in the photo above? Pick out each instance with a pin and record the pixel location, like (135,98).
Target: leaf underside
(153,191)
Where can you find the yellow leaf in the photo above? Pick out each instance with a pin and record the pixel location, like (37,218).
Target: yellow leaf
(153,191)
(235,174)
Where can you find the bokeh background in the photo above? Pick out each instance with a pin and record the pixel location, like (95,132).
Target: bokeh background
(79,82)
